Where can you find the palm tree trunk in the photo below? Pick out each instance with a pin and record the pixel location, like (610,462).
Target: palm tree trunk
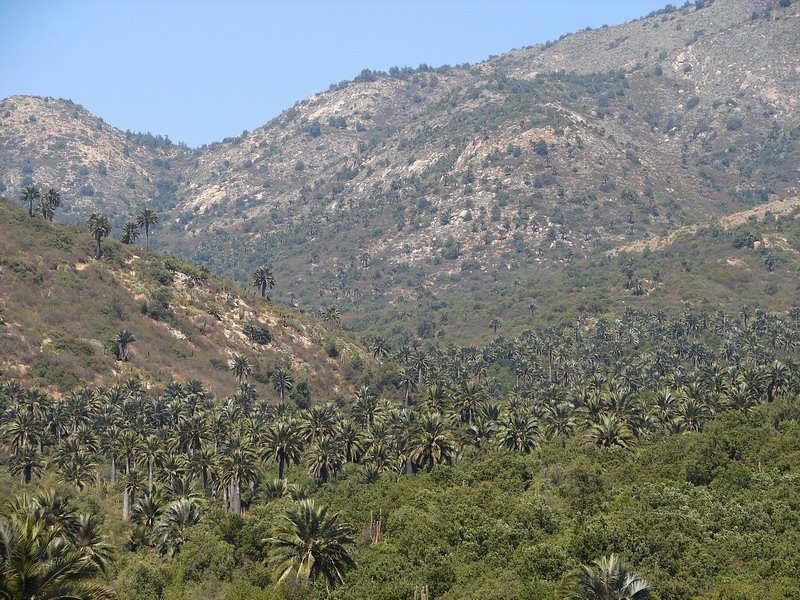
(150,477)
(113,476)
(280,467)
(126,505)
(236,498)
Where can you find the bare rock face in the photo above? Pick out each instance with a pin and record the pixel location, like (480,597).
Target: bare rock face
(387,185)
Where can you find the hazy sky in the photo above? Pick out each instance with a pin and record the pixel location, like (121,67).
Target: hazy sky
(199,71)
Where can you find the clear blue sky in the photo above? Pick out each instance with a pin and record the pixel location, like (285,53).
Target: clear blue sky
(199,71)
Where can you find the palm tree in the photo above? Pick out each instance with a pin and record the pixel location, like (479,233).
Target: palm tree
(48,204)
(112,447)
(132,482)
(282,382)
(145,220)
(263,278)
(432,442)
(130,232)
(89,539)
(283,444)
(365,407)
(174,527)
(379,348)
(494,324)
(37,563)
(310,544)
(519,433)
(150,453)
(30,194)
(238,466)
(324,458)
(79,471)
(331,314)
(121,342)
(147,511)
(203,463)
(100,227)
(26,463)
(610,579)
(610,431)
(351,437)
(240,366)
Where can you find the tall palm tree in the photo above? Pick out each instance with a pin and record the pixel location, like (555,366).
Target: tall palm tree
(112,447)
(379,348)
(237,466)
(145,220)
(100,227)
(30,194)
(132,482)
(130,232)
(80,470)
(282,382)
(240,366)
(48,203)
(310,544)
(263,278)
(365,407)
(283,444)
(610,579)
(150,453)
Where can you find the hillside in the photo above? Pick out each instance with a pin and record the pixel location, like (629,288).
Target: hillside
(376,192)
(61,310)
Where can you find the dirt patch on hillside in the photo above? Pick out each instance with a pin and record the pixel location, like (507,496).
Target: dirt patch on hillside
(777,207)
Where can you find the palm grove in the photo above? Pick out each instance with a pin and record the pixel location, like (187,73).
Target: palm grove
(182,459)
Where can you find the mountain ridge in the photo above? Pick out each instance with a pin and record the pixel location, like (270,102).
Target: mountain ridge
(378,188)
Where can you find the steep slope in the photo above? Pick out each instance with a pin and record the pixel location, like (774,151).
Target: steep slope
(61,310)
(388,187)
(59,143)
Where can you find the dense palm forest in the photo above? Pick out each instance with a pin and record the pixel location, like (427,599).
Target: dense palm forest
(670,441)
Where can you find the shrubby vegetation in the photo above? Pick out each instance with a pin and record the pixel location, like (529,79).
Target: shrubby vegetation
(489,472)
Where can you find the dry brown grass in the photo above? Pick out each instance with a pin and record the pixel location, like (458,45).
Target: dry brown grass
(61,308)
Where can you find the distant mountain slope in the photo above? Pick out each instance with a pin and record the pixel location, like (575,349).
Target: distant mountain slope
(60,310)
(393,185)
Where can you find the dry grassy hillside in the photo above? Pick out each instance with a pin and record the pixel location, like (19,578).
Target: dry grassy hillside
(61,309)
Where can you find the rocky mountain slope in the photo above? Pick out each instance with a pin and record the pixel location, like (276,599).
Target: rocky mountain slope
(61,310)
(398,186)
